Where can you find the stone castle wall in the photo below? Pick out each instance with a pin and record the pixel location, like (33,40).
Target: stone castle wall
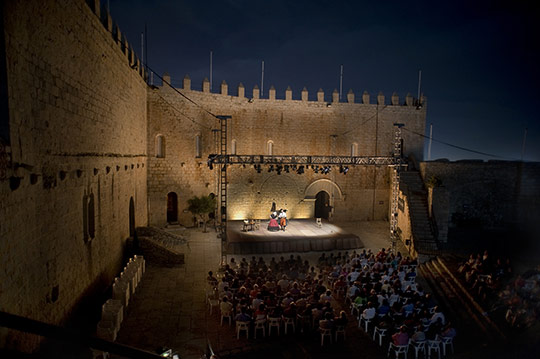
(293,127)
(77,105)
(491,194)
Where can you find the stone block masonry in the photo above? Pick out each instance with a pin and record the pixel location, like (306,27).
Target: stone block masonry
(278,127)
(78,160)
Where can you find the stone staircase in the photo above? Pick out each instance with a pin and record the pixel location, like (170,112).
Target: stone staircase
(161,247)
(475,328)
(412,186)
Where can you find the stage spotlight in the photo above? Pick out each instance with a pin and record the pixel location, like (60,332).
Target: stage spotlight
(271,168)
(287,168)
(345,170)
(300,170)
(211,165)
(316,169)
(325,170)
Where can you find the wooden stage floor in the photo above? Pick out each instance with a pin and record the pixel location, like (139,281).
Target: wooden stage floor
(302,235)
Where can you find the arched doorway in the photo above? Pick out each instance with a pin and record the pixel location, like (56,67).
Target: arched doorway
(322,205)
(172,207)
(131,217)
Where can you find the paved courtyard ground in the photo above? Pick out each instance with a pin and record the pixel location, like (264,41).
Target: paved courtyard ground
(169,308)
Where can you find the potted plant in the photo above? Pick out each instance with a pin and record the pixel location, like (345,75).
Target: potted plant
(201,207)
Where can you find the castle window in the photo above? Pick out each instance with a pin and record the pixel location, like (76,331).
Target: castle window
(233,147)
(160,146)
(198,146)
(270,148)
(89,221)
(354,149)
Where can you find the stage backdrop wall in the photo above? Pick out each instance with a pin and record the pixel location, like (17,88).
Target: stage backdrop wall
(181,135)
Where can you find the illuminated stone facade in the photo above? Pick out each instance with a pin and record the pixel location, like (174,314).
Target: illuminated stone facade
(278,127)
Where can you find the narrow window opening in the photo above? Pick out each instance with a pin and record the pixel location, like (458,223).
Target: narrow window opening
(198,146)
(160,146)
(354,149)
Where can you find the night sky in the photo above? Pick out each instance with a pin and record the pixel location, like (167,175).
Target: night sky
(479,59)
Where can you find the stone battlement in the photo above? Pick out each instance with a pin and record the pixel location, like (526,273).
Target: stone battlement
(304,94)
(114,30)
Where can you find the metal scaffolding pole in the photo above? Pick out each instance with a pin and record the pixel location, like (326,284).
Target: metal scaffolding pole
(398,158)
(223,186)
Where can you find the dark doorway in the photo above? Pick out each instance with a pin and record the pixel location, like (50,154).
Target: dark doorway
(172,207)
(322,205)
(131,217)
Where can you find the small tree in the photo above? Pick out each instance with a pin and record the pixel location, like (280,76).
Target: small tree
(433,181)
(201,207)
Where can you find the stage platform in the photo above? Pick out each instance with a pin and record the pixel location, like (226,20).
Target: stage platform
(302,235)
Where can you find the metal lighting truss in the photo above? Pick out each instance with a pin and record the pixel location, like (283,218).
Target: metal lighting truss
(223,160)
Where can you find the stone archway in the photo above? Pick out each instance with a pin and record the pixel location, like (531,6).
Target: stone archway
(322,205)
(324,185)
(324,193)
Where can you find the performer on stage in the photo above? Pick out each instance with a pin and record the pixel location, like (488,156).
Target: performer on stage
(282,219)
(273,225)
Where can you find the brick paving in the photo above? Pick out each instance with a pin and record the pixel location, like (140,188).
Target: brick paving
(169,309)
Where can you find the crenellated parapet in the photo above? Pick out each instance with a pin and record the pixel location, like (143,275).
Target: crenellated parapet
(113,29)
(380,99)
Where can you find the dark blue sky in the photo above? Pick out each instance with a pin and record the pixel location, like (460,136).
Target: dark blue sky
(479,59)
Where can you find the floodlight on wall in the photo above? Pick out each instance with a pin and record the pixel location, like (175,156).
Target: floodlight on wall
(271,168)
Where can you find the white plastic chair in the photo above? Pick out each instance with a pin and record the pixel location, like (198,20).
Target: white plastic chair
(434,345)
(398,349)
(287,322)
(213,303)
(446,341)
(228,315)
(380,333)
(365,321)
(273,323)
(340,329)
(242,326)
(325,333)
(419,346)
(260,325)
